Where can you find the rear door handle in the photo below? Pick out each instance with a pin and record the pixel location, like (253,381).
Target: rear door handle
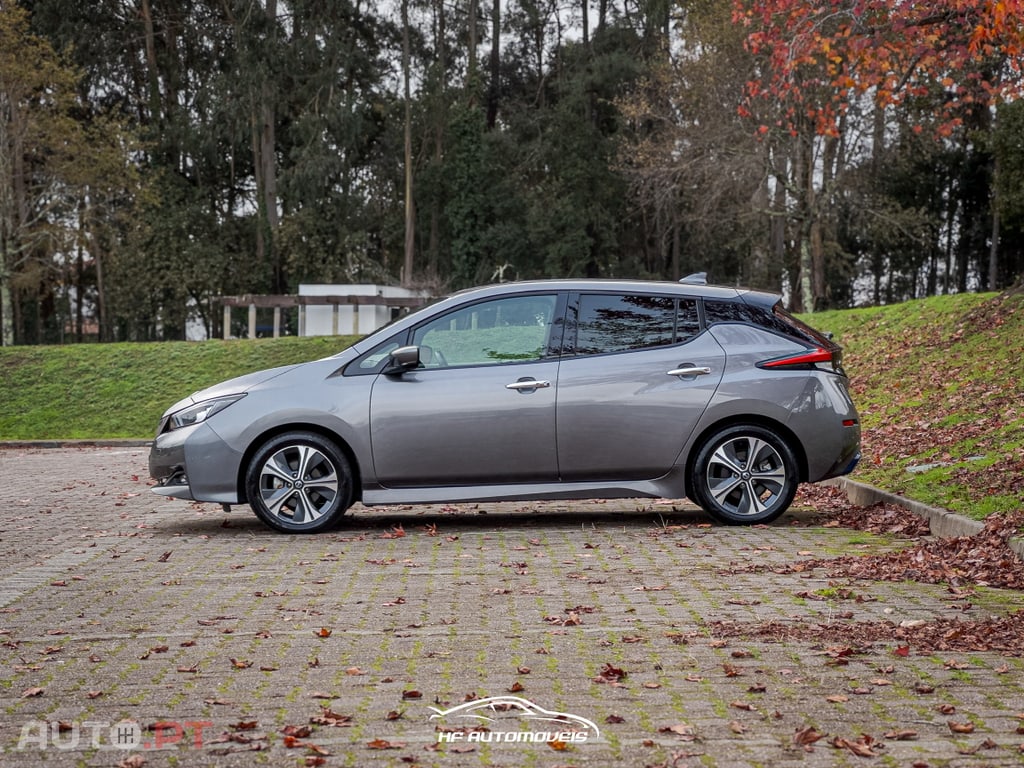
(693,370)
(528,384)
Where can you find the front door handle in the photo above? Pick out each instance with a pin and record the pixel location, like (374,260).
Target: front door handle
(528,384)
(692,370)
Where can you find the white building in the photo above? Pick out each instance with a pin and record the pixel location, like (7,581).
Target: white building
(344,319)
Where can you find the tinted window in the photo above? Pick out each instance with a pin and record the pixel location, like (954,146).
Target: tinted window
(507,330)
(776,319)
(615,323)
(688,323)
(738,312)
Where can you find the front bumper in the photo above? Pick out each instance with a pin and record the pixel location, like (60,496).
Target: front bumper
(195,464)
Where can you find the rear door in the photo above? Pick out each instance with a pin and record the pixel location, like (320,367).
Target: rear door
(635,379)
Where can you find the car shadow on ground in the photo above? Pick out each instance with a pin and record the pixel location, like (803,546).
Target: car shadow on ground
(385,521)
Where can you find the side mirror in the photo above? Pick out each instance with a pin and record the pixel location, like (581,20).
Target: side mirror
(403,359)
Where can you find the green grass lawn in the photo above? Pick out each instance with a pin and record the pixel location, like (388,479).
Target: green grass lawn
(940,387)
(119,390)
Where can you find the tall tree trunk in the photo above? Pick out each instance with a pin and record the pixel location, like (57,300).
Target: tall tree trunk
(993,250)
(268,160)
(803,176)
(410,210)
(80,276)
(818,232)
(492,88)
(440,121)
(471,65)
(153,72)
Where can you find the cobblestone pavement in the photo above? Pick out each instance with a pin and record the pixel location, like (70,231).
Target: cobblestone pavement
(203,638)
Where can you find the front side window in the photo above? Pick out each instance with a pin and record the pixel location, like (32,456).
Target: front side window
(508,330)
(616,323)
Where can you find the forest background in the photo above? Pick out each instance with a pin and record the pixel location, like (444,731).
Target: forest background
(156,155)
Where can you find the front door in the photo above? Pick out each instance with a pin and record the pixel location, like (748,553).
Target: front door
(481,408)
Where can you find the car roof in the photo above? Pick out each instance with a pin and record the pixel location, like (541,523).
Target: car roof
(611,284)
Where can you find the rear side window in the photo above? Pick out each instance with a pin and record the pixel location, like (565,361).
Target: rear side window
(776,319)
(617,323)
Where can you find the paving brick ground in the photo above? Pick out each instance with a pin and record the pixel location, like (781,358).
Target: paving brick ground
(120,610)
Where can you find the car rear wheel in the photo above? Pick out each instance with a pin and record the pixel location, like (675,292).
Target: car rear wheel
(744,475)
(299,482)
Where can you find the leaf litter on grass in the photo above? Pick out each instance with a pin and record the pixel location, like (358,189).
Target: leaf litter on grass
(961,562)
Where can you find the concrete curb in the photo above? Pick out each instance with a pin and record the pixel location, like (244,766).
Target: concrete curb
(943,523)
(88,443)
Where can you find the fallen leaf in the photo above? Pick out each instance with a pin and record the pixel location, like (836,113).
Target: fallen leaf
(330,718)
(956,727)
(805,737)
(902,735)
(385,744)
(680,729)
(862,747)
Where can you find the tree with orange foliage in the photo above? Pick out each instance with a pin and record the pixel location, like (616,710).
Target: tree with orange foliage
(820,59)
(966,54)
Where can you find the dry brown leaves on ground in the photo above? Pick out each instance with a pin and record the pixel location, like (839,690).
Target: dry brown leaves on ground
(1003,634)
(983,559)
(831,503)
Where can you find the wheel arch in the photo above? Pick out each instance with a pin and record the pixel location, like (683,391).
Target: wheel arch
(735,420)
(258,441)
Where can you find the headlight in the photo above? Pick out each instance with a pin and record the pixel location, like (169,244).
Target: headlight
(200,412)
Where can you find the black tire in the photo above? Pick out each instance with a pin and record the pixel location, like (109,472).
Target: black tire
(744,474)
(299,482)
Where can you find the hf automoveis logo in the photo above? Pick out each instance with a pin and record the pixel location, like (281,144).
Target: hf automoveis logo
(511,720)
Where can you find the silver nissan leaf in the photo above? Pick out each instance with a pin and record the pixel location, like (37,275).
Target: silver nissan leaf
(561,389)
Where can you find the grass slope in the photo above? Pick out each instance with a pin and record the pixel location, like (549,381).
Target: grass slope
(939,383)
(120,390)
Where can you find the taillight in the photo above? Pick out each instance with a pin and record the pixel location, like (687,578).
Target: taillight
(805,359)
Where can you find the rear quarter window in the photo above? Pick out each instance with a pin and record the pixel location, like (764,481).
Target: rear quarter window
(775,319)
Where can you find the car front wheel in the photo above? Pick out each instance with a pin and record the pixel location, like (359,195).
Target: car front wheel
(299,482)
(744,475)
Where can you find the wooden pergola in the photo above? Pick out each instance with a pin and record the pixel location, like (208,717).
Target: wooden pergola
(279,302)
